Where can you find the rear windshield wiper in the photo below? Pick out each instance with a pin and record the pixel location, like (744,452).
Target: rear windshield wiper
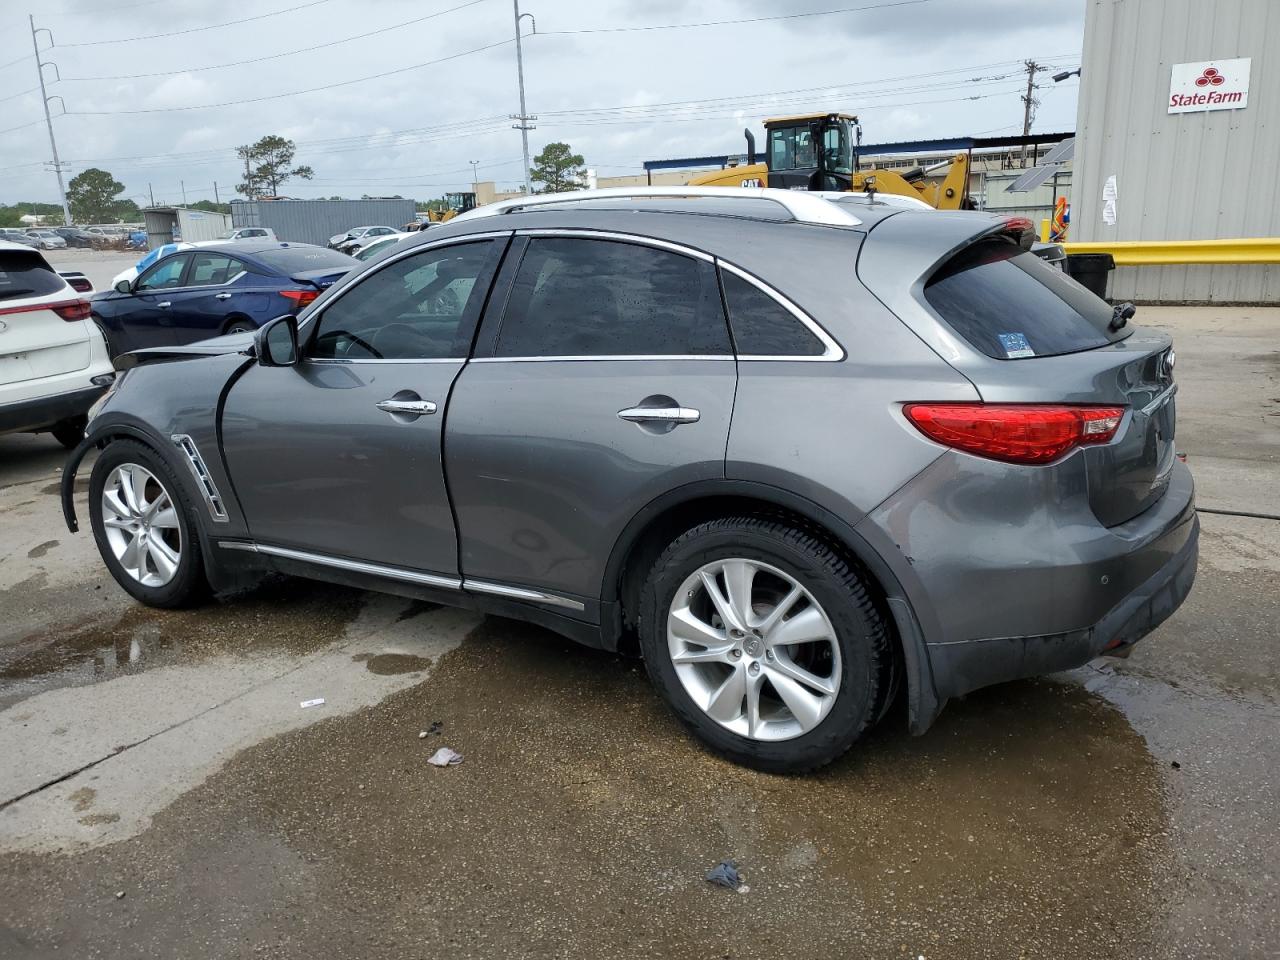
(1121,314)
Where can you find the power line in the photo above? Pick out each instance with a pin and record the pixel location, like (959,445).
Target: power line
(211,26)
(291,93)
(275,56)
(725,23)
(20,93)
(28,56)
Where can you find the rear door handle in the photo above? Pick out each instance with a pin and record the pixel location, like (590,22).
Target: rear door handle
(222,296)
(413,408)
(671,415)
(164,304)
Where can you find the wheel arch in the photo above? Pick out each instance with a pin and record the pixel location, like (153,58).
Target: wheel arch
(234,318)
(664,518)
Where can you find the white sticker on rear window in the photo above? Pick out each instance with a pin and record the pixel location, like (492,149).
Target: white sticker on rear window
(1015,345)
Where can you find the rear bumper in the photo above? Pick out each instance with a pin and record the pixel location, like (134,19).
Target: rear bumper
(963,666)
(46,411)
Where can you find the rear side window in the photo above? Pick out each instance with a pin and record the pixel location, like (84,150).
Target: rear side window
(1010,304)
(24,274)
(761,326)
(590,298)
(208,269)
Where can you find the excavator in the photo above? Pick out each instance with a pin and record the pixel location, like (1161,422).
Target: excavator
(819,151)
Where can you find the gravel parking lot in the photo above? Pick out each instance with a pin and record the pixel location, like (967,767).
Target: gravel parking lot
(163,794)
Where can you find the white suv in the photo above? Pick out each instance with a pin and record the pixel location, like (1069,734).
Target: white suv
(53,360)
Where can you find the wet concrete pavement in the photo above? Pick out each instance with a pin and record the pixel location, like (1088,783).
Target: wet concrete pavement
(1129,808)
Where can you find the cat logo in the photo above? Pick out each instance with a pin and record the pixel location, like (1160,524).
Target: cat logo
(752,182)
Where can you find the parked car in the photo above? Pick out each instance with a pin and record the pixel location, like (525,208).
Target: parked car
(379,244)
(75,237)
(161,251)
(250,233)
(77,280)
(13,235)
(800,454)
(355,238)
(47,239)
(194,293)
(53,362)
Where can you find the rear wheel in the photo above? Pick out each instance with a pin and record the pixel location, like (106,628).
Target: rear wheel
(143,526)
(70,432)
(765,642)
(240,326)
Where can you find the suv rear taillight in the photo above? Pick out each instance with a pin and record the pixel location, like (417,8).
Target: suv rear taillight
(1029,433)
(300,298)
(66,309)
(80,284)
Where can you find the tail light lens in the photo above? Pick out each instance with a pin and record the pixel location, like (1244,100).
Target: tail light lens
(80,284)
(66,309)
(300,298)
(1027,433)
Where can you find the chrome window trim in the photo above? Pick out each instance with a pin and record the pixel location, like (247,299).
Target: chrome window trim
(832,352)
(408,576)
(613,235)
(196,464)
(458,360)
(605,357)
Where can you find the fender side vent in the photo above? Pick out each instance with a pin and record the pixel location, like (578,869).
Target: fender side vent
(201,473)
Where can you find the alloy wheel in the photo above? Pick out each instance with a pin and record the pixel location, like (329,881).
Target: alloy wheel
(141,525)
(754,649)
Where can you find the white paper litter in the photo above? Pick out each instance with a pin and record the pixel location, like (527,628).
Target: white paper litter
(317,702)
(445,757)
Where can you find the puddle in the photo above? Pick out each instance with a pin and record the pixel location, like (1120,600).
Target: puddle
(1014,828)
(38,551)
(285,616)
(390,664)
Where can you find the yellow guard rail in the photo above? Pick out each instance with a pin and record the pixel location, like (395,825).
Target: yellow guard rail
(1146,253)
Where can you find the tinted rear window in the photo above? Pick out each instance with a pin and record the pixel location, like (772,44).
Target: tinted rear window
(298,259)
(26,275)
(762,327)
(1010,304)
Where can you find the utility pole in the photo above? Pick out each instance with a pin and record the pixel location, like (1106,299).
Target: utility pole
(48,118)
(475,174)
(524,126)
(1029,102)
(182,184)
(215,193)
(151,194)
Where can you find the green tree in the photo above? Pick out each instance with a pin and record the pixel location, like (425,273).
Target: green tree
(267,165)
(557,169)
(92,196)
(210,207)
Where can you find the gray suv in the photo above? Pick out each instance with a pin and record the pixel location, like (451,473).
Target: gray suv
(803,455)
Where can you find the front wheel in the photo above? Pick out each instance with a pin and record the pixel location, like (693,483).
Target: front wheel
(144,528)
(765,642)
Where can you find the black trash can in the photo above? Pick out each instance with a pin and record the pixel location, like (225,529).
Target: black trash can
(1090,270)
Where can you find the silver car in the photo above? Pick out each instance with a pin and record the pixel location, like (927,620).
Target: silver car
(805,457)
(47,239)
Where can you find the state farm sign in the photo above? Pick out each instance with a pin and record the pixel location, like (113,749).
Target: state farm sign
(1211,85)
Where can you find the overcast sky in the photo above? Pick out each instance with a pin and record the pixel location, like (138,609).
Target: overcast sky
(617,90)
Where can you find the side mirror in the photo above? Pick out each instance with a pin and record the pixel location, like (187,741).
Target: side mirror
(124,286)
(276,343)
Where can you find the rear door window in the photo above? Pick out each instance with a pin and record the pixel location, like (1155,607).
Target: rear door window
(1010,305)
(211,269)
(590,298)
(762,327)
(24,274)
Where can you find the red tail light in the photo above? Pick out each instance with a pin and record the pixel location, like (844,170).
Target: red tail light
(80,284)
(300,298)
(1030,433)
(66,309)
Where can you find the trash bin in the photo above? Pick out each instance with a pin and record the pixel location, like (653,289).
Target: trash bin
(1090,270)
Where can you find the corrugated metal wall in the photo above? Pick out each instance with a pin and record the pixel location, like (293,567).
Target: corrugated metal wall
(1189,176)
(1035,204)
(315,221)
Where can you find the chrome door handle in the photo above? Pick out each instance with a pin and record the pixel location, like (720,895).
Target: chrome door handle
(164,304)
(222,296)
(659,415)
(414,408)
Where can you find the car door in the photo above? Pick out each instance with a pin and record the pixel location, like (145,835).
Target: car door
(143,316)
(603,379)
(218,287)
(339,456)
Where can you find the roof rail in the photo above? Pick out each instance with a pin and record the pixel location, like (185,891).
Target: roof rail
(803,206)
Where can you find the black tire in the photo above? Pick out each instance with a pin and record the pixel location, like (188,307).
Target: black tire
(241,326)
(70,432)
(861,633)
(188,586)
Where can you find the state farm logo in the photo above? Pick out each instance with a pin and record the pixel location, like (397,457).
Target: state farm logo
(1209,85)
(1210,77)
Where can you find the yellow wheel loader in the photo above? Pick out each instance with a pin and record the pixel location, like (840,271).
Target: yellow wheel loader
(819,151)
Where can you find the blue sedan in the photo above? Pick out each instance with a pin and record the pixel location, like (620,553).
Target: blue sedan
(192,294)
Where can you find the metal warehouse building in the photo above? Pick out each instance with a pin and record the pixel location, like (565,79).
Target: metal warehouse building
(1179,139)
(315,221)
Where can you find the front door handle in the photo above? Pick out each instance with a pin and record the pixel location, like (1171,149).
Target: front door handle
(222,296)
(413,408)
(164,304)
(672,415)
